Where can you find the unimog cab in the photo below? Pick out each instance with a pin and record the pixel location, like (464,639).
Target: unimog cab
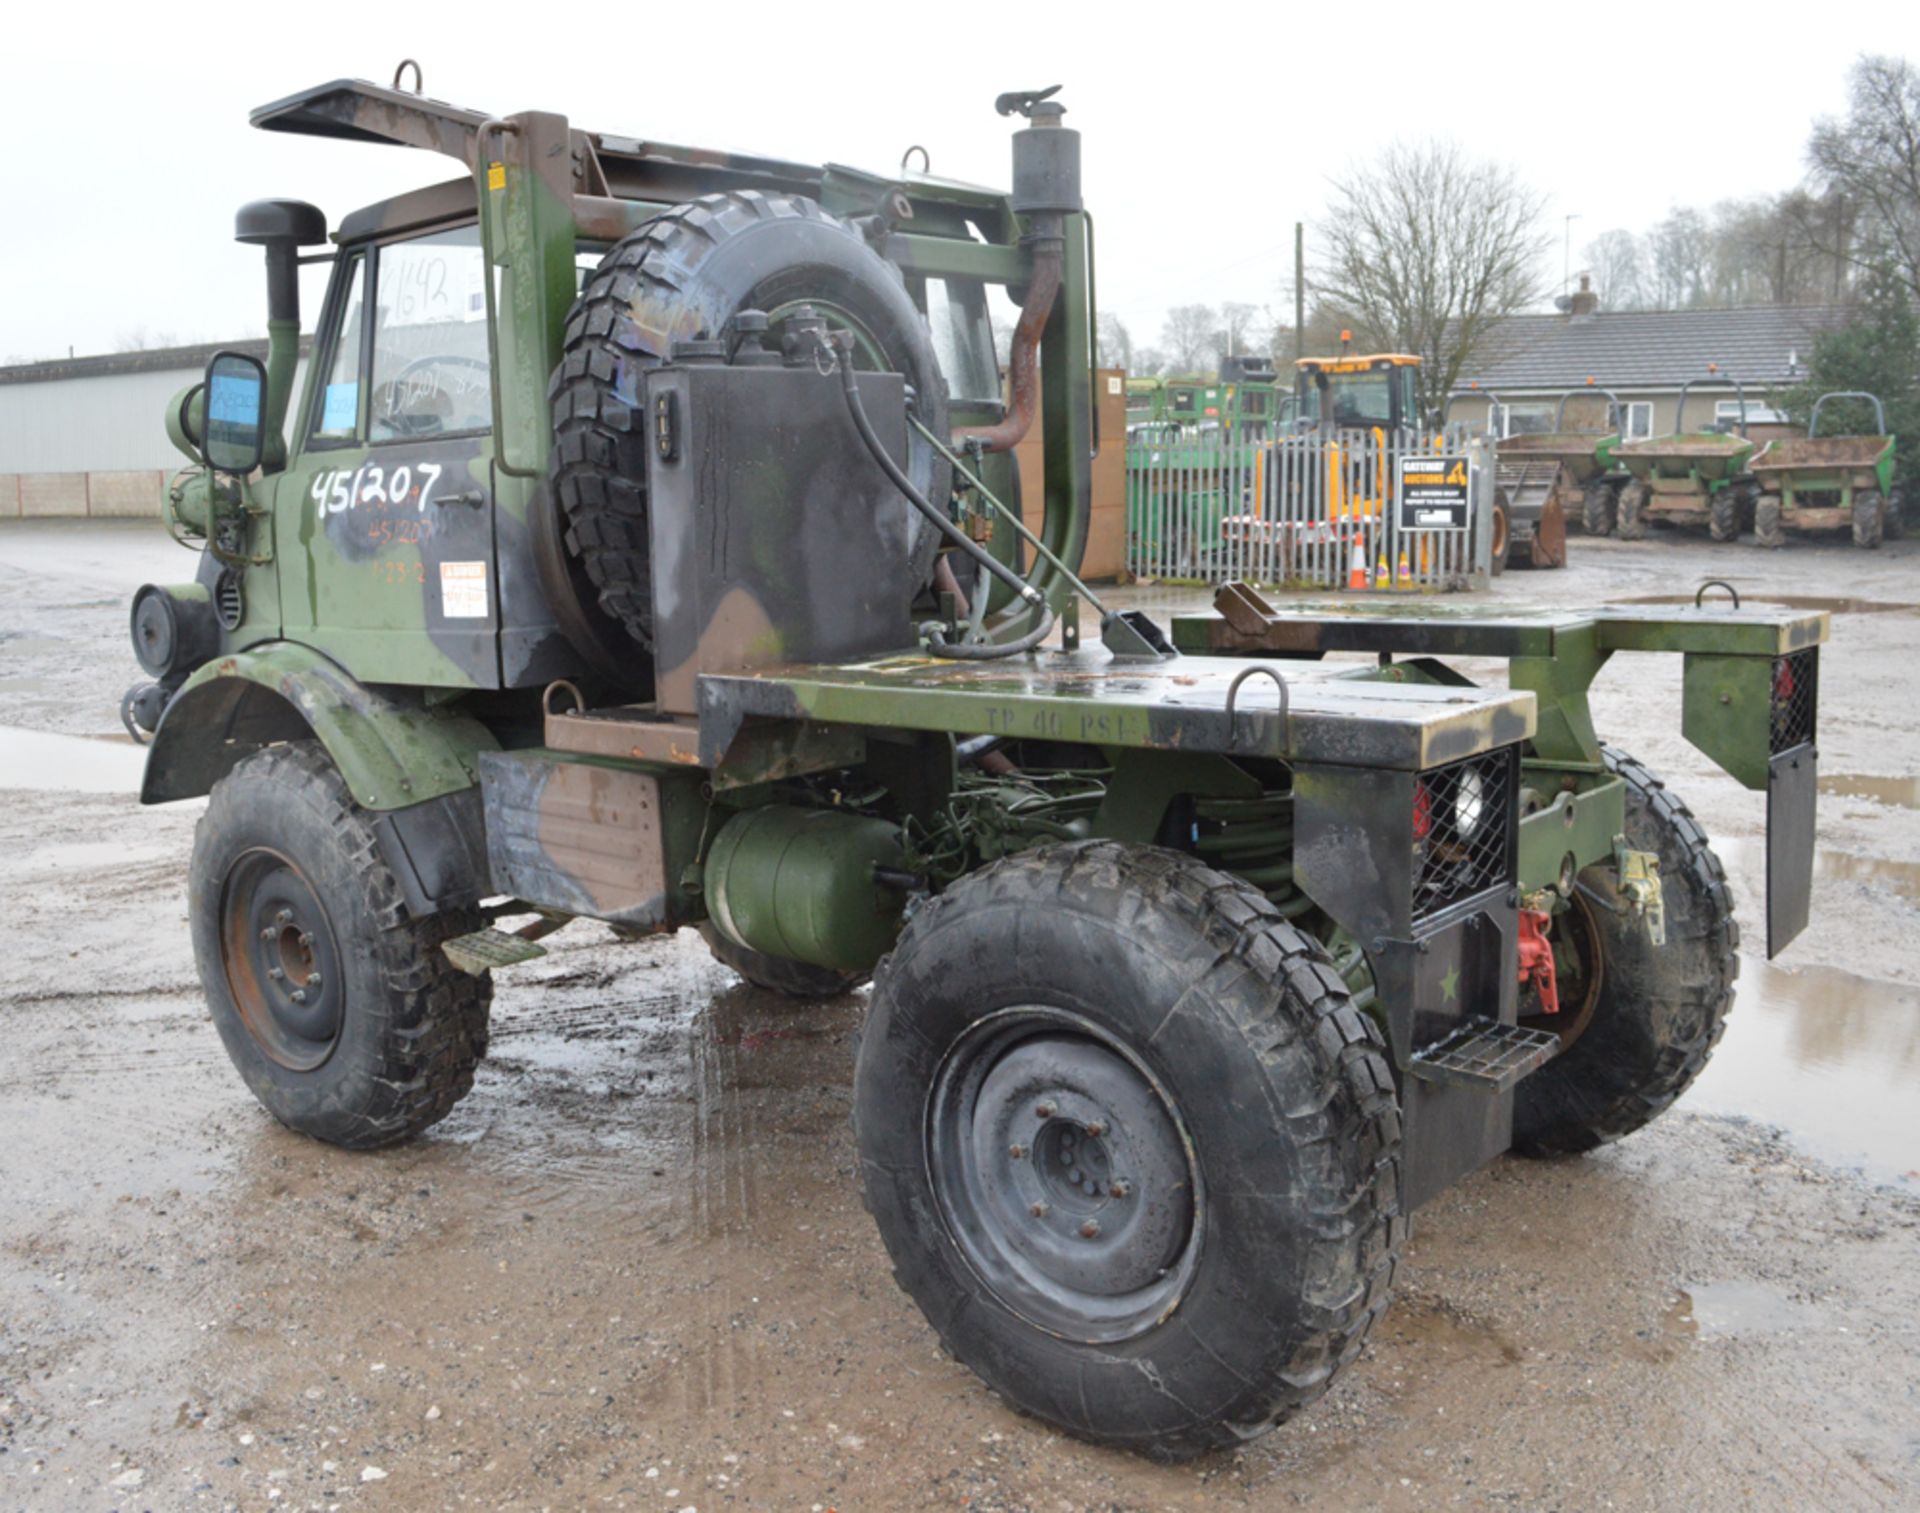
(643,549)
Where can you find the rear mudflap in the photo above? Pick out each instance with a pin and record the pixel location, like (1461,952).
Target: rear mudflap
(1792,783)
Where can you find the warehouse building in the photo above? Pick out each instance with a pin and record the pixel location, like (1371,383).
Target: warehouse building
(87,436)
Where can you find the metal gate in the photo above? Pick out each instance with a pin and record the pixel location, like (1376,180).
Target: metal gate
(1302,510)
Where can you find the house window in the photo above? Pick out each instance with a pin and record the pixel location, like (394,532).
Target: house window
(1636,419)
(1522,419)
(1727,412)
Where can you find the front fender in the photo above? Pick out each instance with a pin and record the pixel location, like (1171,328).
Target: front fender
(392,753)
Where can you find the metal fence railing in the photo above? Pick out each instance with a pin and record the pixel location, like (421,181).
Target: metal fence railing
(1295,509)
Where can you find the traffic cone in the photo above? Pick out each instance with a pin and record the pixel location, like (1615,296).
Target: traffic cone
(1405,573)
(1357,569)
(1381,577)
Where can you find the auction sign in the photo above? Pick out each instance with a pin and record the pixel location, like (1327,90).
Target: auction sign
(1434,494)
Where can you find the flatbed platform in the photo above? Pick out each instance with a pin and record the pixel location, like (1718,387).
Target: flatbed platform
(1088,695)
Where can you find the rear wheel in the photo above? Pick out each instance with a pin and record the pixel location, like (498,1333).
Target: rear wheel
(1133,1150)
(1767,530)
(1639,1020)
(1723,515)
(1632,522)
(1868,520)
(1597,509)
(337,1006)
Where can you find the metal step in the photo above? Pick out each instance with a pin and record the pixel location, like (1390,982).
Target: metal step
(485,949)
(1485,1054)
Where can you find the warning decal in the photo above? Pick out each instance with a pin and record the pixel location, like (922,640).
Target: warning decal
(463,590)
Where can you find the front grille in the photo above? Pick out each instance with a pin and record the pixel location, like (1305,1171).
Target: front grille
(1796,698)
(1464,829)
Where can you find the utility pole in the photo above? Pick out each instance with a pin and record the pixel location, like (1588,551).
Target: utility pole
(1299,289)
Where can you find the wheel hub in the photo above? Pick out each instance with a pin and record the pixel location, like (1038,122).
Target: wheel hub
(281,959)
(1066,1180)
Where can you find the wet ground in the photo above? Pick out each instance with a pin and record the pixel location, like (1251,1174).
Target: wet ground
(631,1270)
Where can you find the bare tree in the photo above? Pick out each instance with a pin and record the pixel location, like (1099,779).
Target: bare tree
(1113,343)
(1427,249)
(1238,331)
(1872,159)
(1148,362)
(1187,336)
(1678,250)
(1617,264)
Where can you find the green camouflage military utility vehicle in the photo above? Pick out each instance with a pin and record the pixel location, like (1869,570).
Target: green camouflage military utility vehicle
(623,560)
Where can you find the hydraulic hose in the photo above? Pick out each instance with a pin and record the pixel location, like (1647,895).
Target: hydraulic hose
(936,638)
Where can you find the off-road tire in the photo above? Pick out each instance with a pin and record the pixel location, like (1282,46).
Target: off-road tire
(1661,1009)
(413,1027)
(1597,509)
(1501,538)
(1767,531)
(791,979)
(1284,1096)
(681,275)
(1869,520)
(1892,516)
(1631,523)
(1723,515)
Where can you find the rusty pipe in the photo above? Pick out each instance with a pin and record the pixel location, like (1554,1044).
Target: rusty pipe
(1023,361)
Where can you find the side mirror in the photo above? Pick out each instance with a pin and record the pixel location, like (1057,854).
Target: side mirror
(236,413)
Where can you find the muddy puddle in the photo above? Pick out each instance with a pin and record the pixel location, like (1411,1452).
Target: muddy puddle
(1900,793)
(69,764)
(1715,1310)
(1835,605)
(1828,1056)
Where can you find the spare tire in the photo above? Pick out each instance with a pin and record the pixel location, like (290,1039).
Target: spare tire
(681,276)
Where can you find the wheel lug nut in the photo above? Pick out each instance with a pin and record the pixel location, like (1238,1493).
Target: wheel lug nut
(313,979)
(1121,1189)
(275,973)
(267,933)
(1076,1176)
(306,937)
(1016,1151)
(1095,1130)
(1043,1111)
(1040,1210)
(284,917)
(299,995)
(1090,1230)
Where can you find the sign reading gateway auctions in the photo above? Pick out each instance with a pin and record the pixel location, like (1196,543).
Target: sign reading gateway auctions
(1434,494)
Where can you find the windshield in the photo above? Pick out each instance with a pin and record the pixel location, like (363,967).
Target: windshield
(1362,399)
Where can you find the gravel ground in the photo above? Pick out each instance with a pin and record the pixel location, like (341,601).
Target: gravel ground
(632,1271)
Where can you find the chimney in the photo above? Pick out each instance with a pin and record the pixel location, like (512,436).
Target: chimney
(1584,302)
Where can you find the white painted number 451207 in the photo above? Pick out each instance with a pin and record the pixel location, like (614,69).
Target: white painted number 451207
(338,490)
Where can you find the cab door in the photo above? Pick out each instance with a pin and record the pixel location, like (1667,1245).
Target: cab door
(386,520)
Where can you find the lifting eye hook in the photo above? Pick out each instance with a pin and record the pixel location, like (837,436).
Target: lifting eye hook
(1716,583)
(1233,691)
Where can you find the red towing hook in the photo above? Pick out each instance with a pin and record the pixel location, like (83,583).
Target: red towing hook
(1536,959)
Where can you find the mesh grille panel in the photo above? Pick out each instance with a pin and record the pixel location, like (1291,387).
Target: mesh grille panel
(1796,689)
(1464,816)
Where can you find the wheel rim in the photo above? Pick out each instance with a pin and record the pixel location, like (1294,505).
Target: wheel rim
(283,965)
(869,356)
(1064,1175)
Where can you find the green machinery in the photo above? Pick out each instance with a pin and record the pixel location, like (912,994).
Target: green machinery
(1828,483)
(1689,478)
(1244,400)
(1537,468)
(623,561)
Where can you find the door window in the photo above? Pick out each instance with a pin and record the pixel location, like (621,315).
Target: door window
(430,367)
(338,416)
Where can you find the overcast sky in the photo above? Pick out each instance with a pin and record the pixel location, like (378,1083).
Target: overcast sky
(1208,129)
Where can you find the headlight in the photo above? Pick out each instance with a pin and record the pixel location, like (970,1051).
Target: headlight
(1469,803)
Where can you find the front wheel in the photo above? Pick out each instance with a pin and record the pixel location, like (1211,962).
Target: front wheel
(1638,1020)
(1597,509)
(1868,520)
(1632,521)
(1767,530)
(1723,516)
(338,1008)
(1132,1148)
